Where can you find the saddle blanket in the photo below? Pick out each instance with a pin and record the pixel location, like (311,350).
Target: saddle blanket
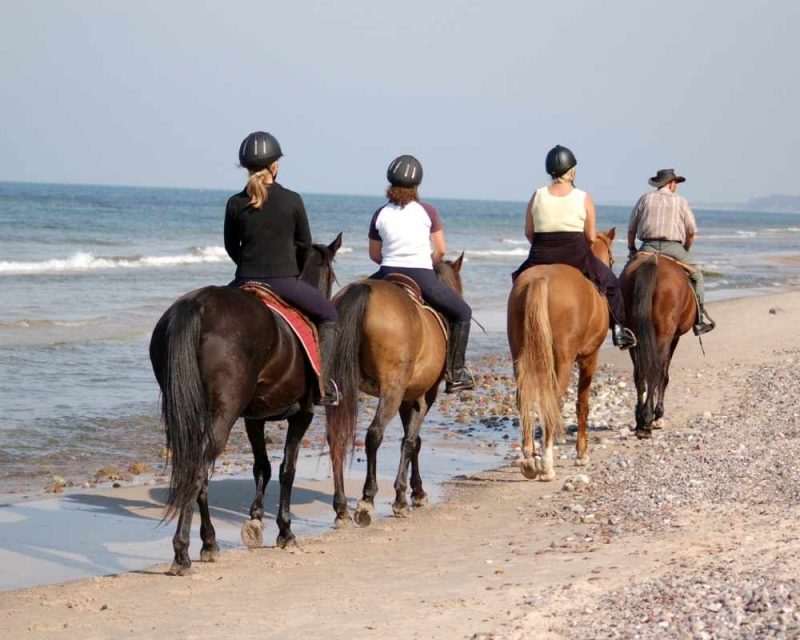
(303,328)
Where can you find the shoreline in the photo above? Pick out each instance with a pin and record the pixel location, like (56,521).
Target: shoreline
(497,554)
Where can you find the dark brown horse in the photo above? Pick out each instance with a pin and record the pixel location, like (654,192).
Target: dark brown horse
(659,307)
(218,353)
(392,349)
(555,317)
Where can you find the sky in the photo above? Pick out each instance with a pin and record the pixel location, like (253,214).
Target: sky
(161,93)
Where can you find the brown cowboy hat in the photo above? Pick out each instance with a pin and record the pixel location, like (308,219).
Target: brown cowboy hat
(664,176)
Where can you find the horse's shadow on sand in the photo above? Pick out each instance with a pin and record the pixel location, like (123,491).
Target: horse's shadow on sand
(82,534)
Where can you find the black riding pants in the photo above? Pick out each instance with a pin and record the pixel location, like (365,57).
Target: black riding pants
(300,294)
(437,294)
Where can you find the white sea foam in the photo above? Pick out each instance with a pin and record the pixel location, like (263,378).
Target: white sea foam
(85,261)
(514,241)
(503,253)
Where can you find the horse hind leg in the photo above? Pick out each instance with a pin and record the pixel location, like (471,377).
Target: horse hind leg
(210,550)
(182,563)
(388,405)
(298,425)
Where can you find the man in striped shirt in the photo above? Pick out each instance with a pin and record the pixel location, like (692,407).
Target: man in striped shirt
(664,222)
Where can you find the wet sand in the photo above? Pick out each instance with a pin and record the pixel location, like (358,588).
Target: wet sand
(681,528)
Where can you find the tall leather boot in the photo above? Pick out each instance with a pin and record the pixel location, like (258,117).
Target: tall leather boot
(456,375)
(327,344)
(701,326)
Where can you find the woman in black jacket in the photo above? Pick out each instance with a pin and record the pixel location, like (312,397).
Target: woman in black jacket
(267,236)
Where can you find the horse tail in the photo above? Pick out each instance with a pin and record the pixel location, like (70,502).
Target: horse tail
(644,288)
(184,407)
(346,369)
(537,387)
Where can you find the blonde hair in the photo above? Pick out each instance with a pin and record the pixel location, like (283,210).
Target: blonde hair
(569,177)
(257,185)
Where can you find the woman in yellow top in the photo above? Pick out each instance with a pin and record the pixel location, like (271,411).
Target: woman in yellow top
(560,225)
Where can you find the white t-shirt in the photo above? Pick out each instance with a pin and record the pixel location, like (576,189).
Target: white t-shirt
(405,234)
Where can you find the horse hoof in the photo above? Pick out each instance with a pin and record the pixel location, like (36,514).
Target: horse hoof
(253,534)
(210,553)
(178,569)
(420,500)
(660,423)
(581,461)
(644,434)
(547,477)
(528,468)
(400,510)
(343,522)
(363,515)
(284,541)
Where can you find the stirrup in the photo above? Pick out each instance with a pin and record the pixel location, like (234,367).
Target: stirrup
(627,339)
(330,400)
(455,386)
(703,327)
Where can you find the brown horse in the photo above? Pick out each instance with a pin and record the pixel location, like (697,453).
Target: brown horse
(659,307)
(218,353)
(555,317)
(394,350)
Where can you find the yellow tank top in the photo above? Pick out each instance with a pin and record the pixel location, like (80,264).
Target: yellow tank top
(558,213)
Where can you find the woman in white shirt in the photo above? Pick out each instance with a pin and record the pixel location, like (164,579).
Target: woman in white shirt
(406,236)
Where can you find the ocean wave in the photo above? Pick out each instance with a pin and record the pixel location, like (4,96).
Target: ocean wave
(471,253)
(514,241)
(25,323)
(85,261)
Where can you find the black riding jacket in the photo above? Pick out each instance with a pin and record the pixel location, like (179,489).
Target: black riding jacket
(268,242)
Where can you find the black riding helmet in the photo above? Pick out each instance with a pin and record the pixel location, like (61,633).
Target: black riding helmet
(404,171)
(259,150)
(559,160)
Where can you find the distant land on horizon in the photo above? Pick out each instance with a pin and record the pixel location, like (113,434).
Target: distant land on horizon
(775,203)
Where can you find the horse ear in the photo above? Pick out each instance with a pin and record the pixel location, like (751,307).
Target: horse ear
(612,233)
(457,263)
(336,244)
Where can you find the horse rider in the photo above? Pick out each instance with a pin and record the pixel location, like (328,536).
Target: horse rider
(560,224)
(664,222)
(406,236)
(267,236)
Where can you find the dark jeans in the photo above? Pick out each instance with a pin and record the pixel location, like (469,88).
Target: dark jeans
(438,295)
(613,294)
(300,294)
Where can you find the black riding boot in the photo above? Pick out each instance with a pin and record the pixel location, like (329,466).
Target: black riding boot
(701,326)
(622,337)
(456,375)
(327,344)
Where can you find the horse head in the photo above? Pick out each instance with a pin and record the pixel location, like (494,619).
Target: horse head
(601,247)
(318,269)
(449,272)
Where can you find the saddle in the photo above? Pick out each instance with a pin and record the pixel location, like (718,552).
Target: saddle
(301,326)
(644,254)
(411,288)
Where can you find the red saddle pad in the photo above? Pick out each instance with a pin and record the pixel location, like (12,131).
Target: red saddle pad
(303,328)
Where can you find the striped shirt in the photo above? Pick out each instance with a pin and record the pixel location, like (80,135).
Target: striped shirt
(662,215)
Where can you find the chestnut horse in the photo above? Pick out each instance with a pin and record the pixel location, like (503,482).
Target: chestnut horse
(556,316)
(392,349)
(659,307)
(218,353)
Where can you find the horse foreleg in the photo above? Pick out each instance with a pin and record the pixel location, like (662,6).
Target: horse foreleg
(586,368)
(298,425)
(252,530)
(412,415)
(210,550)
(387,407)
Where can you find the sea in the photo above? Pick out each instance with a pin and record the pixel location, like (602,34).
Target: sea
(86,271)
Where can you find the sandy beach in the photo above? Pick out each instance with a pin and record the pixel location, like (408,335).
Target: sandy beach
(690,534)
